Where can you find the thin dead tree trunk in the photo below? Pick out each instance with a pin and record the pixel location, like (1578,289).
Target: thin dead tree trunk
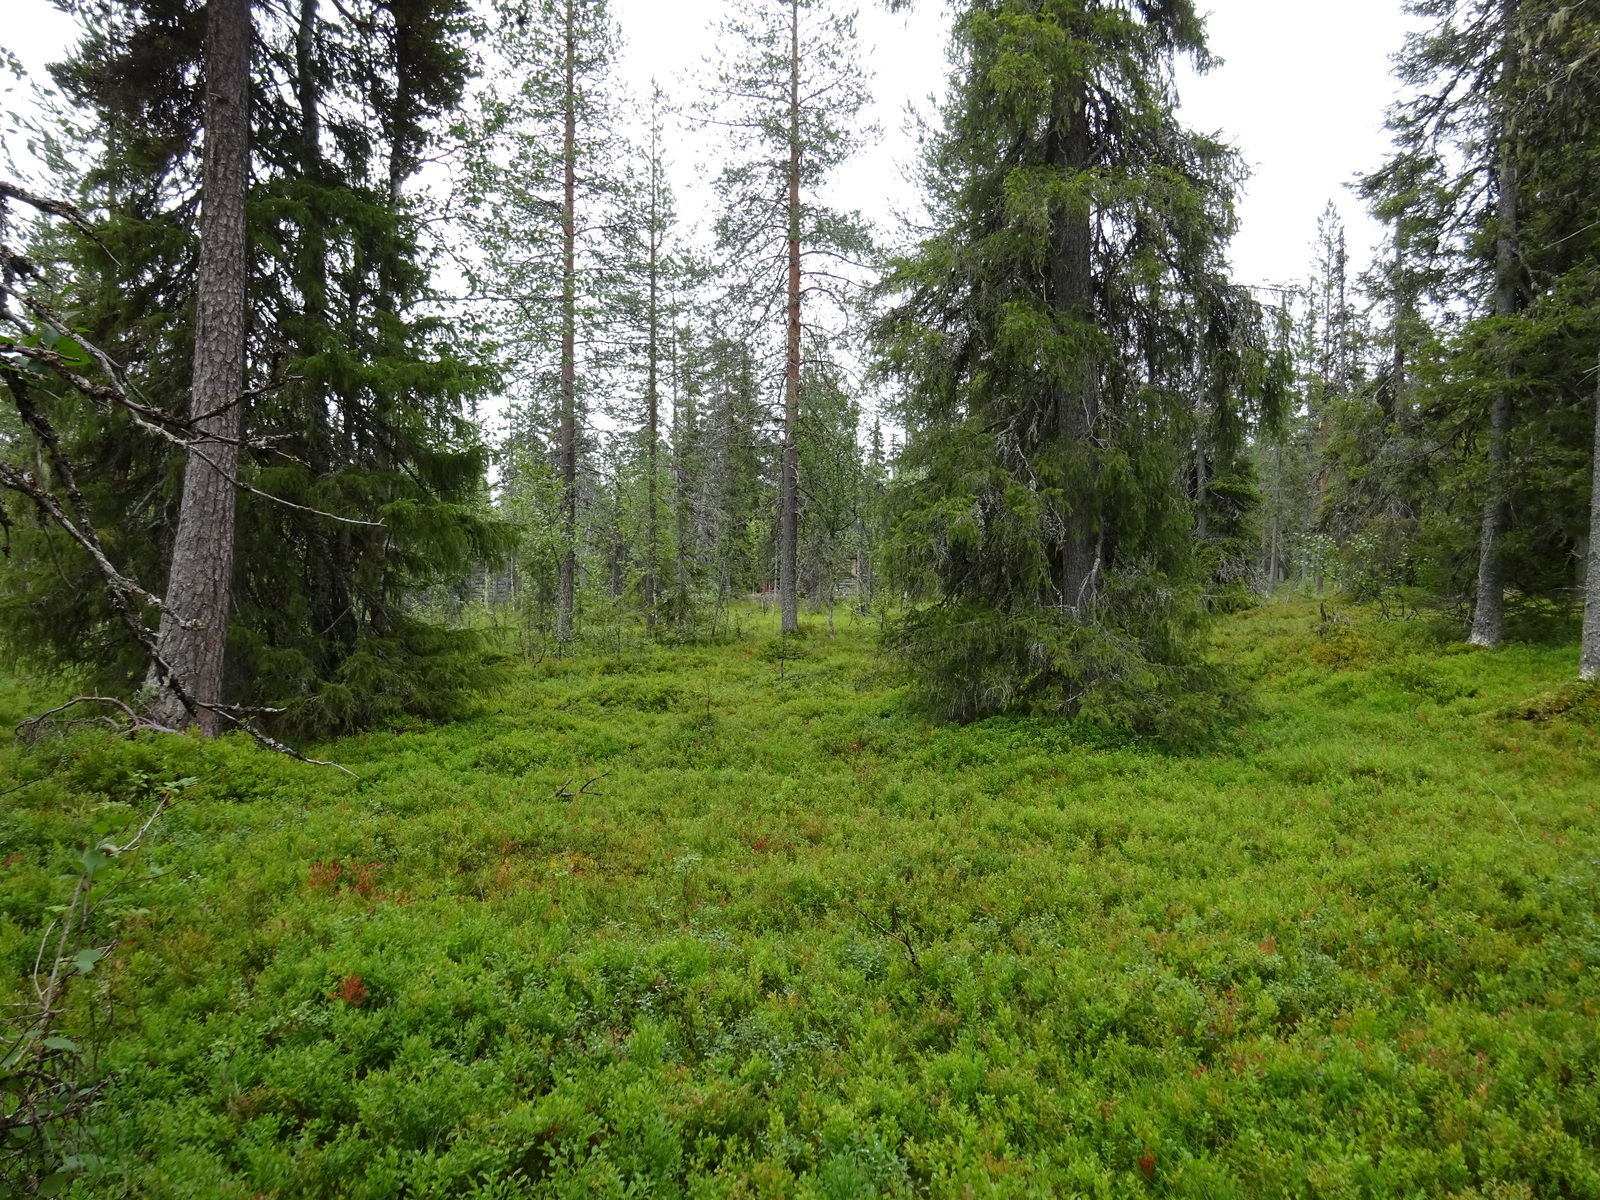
(566,593)
(681,425)
(789,486)
(1589,664)
(194,628)
(652,397)
(1488,618)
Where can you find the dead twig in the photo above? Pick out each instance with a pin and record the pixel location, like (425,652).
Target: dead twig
(893,931)
(28,729)
(561,792)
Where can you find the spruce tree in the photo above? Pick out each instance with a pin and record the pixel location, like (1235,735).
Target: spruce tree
(1498,221)
(1589,658)
(354,392)
(647,301)
(1458,164)
(1057,335)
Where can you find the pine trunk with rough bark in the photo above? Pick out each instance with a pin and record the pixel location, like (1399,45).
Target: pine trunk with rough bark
(194,628)
(566,593)
(1589,665)
(789,483)
(1488,617)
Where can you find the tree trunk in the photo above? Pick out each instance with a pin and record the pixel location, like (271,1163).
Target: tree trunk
(1488,618)
(789,485)
(1077,407)
(682,423)
(332,612)
(1394,406)
(194,627)
(1589,665)
(567,587)
(652,398)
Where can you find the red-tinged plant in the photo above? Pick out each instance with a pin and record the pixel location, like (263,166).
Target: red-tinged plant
(357,877)
(325,875)
(351,990)
(1147,1162)
(364,876)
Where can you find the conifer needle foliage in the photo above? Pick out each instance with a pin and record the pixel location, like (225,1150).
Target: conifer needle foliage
(360,391)
(1070,345)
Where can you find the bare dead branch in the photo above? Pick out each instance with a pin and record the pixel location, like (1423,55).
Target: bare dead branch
(892,932)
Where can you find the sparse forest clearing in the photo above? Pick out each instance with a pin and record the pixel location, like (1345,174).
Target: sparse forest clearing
(660,924)
(580,619)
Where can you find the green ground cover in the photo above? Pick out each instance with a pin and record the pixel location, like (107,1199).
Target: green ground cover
(796,941)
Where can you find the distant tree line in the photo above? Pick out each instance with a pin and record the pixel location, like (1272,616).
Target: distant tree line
(290,255)
(1440,451)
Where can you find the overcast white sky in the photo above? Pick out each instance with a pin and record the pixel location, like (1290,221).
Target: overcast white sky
(1301,93)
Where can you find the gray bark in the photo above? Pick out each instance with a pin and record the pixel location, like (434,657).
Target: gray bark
(566,593)
(194,628)
(789,484)
(1488,618)
(1589,664)
(652,390)
(1077,404)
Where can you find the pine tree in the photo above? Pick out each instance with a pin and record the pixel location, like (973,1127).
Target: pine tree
(788,90)
(1058,335)
(544,180)
(194,623)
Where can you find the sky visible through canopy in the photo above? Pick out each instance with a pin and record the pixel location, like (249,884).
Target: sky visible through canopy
(1302,94)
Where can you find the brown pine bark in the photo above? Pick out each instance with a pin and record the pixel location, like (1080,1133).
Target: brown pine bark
(789,483)
(1488,617)
(194,628)
(566,594)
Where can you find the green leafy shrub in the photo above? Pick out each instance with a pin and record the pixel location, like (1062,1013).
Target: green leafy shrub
(798,941)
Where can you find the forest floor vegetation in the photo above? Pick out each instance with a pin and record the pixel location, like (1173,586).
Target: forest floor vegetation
(737,921)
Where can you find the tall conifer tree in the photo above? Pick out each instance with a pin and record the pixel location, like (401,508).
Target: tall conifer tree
(353,394)
(788,89)
(194,623)
(544,178)
(1058,335)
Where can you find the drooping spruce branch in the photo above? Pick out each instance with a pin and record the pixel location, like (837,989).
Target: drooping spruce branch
(46,351)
